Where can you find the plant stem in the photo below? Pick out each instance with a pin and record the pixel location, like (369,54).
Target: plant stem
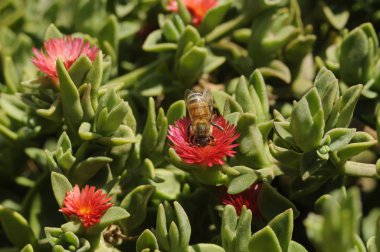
(131,78)
(226,27)
(356,169)
(356,123)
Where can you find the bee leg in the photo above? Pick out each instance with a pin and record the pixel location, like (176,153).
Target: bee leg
(191,139)
(212,140)
(218,126)
(188,130)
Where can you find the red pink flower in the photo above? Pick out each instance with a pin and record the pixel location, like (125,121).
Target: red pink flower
(88,205)
(197,8)
(67,48)
(248,198)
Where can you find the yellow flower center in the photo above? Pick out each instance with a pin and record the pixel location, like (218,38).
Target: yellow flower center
(85,211)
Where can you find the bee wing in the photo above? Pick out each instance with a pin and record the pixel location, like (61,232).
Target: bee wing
(227,107)
(208,97)
(188,92)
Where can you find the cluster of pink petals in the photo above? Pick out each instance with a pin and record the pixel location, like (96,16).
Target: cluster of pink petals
(197,8)
(209,155)
(88,205)
(248,198)
(67,48)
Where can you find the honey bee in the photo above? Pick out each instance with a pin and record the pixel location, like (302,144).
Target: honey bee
(199,107)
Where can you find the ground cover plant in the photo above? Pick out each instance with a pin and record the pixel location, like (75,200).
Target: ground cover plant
(189,125)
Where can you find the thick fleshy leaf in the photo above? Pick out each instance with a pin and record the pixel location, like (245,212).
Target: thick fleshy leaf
(161,229)
(183,223)
(370,224)
(243,97)
(277,69)
(264,240)
(112,215)
(212,62)
(349,99)
(307,121)
(371,244)
(146,240)
(259,95)
(356,53)
(360,142)
(88,109)
(282,225)
(270,33)
(72,108)
(288,158)
(94,77)
(253,150)
(228,228)
(88,168)
(152,44)
(283,131)
(340,137)
(243,230)
(174,237)
(214,16)
(61,185)
(136,204)
(328,89)
(52,32)
(225,104)
(190,36)
(242,181)
(271,203)
(85,133)
(170,31)
(176,111)
(205,247)
(337,17)
(183,12)
(169,189)
(109,33)
(11,77)
(16,228)
(299,48)
(79,70)
(27,248)
(190,65)
(296,247)
(310,163)
(150,133)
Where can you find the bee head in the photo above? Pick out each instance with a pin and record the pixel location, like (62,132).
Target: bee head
(202,140)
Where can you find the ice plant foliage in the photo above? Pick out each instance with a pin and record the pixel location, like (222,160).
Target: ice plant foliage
(88,205)
(246,198)
(67,48)
(197,8)
(209,155)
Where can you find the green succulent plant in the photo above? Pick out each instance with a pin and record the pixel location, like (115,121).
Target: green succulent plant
(296,83)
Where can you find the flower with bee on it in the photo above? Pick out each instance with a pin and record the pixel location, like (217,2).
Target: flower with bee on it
(67,48)
(202,138)
(197,8)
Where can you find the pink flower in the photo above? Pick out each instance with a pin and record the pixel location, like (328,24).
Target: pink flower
(248,198)
(197,8)
(209,155)
(68,49)
(88,205)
